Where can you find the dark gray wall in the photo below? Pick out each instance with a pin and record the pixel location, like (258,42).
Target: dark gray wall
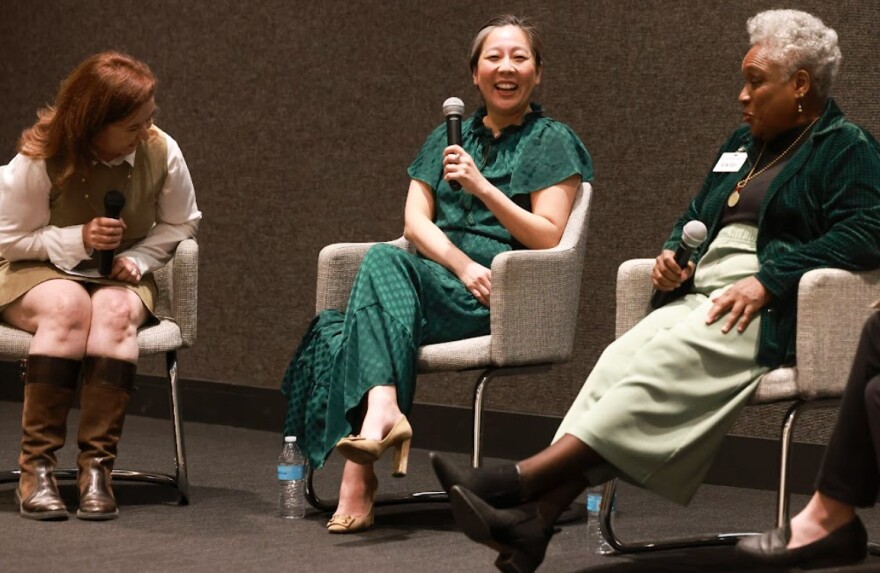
(298,120)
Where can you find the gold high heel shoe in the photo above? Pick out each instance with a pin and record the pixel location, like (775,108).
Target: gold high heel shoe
(365,451)
(341,523)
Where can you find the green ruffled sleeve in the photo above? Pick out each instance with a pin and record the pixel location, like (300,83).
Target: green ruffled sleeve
(553,153)
(428,164)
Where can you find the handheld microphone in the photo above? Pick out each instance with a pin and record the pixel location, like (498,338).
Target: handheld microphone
(453,109)
(114,201)
(692,236)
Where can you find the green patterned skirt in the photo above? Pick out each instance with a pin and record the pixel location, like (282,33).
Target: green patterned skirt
(399,302)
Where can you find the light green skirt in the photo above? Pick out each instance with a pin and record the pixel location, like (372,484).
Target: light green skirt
(662,397)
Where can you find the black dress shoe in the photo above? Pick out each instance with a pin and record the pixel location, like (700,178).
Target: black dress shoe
(500,486)
(518,534)
(843,546)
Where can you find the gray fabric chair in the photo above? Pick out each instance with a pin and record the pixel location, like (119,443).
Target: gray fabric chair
(176,307)
(535,296)
(832,306)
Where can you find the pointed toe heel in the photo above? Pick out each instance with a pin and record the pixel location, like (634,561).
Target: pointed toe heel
(343,524)
(518,534)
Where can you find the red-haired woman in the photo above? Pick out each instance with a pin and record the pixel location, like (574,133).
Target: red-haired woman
(99,136)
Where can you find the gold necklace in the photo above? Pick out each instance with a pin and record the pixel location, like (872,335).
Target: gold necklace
(733,199)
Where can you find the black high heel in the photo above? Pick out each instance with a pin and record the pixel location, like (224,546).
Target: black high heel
(518,534)
(845,545)
(500,486)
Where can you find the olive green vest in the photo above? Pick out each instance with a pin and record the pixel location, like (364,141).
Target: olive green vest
(83,199)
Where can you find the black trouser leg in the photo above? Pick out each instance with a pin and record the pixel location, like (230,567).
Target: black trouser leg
(849,471)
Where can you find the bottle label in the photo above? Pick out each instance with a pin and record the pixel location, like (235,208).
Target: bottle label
(593,501)
(288,473)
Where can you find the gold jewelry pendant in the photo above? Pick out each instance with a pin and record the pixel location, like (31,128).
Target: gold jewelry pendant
(733,199)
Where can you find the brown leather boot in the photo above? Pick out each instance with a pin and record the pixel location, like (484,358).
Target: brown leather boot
(49,388)
(107,385)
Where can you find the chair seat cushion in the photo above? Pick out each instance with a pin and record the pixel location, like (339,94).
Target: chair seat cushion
(162,337)
(14,343)
(777,385)
(456,355)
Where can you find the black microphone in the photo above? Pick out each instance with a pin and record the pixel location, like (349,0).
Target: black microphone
(453,109)
(114,201)
(692,236)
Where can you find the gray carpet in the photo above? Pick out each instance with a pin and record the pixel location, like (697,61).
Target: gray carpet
(231,524)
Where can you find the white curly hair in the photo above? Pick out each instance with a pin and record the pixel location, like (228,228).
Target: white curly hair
(798,40)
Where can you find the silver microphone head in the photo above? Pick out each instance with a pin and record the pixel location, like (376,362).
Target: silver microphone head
(693,234)
(453,106)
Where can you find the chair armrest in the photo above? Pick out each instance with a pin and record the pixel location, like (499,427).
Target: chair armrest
(535,295)
(833,305)
(337,266)
(634,290)
(184,290)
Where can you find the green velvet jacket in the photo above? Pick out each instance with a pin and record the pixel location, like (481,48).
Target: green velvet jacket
(821,211)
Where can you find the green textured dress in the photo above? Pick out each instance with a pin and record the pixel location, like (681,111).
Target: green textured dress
(401,301)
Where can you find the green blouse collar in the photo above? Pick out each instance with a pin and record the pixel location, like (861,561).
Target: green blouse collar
(479,129)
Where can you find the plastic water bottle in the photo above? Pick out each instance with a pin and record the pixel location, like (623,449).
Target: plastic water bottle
(292,469)
(596,541)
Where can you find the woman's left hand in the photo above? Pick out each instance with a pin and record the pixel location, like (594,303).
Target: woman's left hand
(742,301)
(125,269)
(459,166)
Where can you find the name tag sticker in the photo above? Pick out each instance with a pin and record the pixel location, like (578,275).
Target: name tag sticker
(730,162)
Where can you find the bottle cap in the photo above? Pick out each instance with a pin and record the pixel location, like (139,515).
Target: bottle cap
(289,439)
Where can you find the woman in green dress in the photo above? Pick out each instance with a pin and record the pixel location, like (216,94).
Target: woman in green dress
(518,170)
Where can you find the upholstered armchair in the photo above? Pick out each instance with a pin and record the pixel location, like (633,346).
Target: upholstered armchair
(535,295)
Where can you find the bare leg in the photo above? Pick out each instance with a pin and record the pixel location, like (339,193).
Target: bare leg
(116,315)
(58,313)
(359,480)
(561,464)
(382,412)
(821,516)
(356,491)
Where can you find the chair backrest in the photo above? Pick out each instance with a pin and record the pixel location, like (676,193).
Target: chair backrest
(575,234)
(536,294)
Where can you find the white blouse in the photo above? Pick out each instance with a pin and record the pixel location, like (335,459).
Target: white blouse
(25,233)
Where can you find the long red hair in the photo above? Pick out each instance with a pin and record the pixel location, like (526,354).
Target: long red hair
(103,89)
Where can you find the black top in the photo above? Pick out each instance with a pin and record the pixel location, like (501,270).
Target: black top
(752,195)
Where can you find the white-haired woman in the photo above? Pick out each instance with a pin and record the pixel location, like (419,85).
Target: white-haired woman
(797,188)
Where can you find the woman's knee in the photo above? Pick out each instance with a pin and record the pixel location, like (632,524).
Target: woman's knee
(116,310)
(59,305)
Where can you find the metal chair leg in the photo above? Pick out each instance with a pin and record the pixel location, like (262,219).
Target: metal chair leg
(477,409)
(180,468)
(179,481)
(607,528)
(480,395)
(782,501)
